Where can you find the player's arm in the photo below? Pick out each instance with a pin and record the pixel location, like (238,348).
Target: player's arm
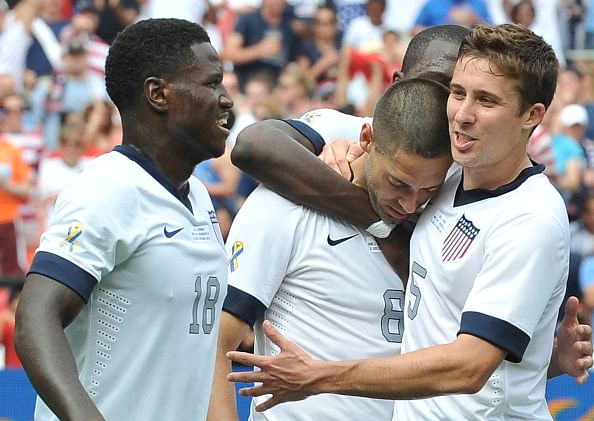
(572,349)
(462,366)
(283,158)
(46,307)
(222,400)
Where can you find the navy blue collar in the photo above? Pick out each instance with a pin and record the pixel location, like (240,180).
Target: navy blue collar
(136,155)
(464,197)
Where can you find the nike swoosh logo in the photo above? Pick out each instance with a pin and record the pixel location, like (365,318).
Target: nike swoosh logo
(340,240)
(170,234)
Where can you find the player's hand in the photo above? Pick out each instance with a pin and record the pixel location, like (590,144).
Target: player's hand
(574,344)
(285,376)
(339,154)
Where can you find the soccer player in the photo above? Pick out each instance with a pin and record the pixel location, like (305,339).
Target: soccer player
(119,314)
(488,261)
(325,283)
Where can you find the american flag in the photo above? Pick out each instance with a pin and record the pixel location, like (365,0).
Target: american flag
(458,241)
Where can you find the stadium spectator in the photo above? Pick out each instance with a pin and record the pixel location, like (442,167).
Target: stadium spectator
(582,229)
(364,33)
(102,127)
(114,15)
(11,359)
(294,92)
(83,30)
(70,90)
(60,169)
(262,42)
(586,279)
(466,13)
(133,218)
(16,38)
(570,160)
(15,188)
(548,25)
(318,57)
(44,53)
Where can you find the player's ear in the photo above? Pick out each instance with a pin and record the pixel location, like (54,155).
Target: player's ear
(366,137)
(534,115)
(156,92)
(397,76)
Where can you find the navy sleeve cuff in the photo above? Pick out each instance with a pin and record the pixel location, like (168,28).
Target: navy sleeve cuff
(496,331)
(243,305)
(65,272)
(314,137)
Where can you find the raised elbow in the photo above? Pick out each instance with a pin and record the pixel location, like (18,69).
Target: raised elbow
(243,153)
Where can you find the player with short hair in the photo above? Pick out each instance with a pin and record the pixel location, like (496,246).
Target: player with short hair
(323,282)
(119,314)
(465,332)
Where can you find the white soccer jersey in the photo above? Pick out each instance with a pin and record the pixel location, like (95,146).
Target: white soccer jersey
(154,275)
(329,125)
(324,284)
(492,264)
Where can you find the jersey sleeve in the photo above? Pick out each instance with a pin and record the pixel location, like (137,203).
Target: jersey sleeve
(325,125)
(97,224)
(526,263)
(260,245)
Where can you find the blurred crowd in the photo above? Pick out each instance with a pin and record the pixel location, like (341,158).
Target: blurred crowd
(282,58)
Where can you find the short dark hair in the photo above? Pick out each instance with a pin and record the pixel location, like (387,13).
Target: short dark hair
(417,60)
(151,47)
(411,116)
(521,55)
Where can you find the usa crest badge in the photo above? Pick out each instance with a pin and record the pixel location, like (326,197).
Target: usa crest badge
(459,240)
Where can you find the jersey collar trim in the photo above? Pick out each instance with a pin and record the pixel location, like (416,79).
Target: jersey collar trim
(465,197)
(149,166)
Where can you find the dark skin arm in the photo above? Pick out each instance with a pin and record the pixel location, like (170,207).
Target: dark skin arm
(395,249)
(283,159)
(46,307)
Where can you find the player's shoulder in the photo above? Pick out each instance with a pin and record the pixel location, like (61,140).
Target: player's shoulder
(325,116)
(266,202)
(109,178)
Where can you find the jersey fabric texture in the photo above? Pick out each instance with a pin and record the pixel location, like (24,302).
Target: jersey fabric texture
(151,266)
(492,264)
(323,283)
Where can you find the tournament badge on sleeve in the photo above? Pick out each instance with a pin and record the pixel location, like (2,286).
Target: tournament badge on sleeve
(236,250)
(74,232)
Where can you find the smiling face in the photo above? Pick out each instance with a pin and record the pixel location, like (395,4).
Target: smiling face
(199,106)
(488,130)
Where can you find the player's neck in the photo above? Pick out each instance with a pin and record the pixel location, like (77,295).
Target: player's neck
(493,177)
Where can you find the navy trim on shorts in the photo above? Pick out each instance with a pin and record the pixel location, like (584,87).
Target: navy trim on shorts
(149,166)
(313,136)
(498,332)
(64,272)
(243,305)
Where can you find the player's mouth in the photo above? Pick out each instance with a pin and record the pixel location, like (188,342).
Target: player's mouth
(395,214)
(463,142)
(222,122)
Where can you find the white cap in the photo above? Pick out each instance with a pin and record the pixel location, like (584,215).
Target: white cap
(573,114)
